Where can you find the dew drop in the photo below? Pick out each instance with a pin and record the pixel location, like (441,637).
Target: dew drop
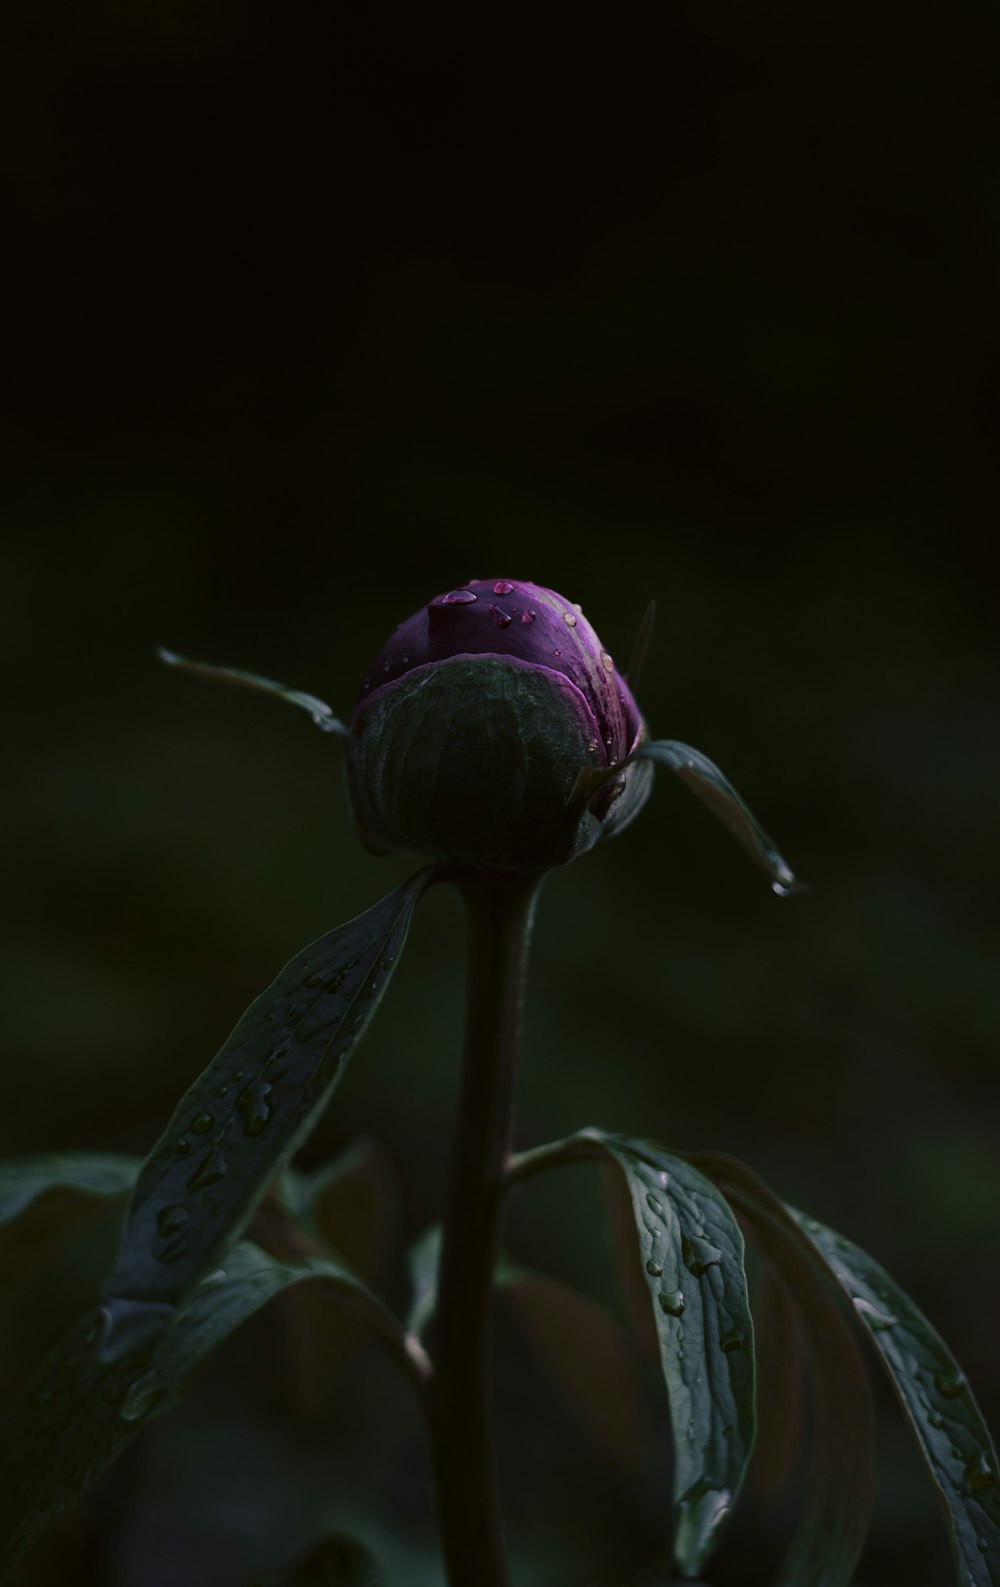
(223,1091)
(500,617)
(951,1385)
(935,1419)
(212,1169)
(141,1396)
(557,654)
(527,617)
(503,587)
(730,1339)
(254,1106)
(606,662)
(672,1302)
(652,1203)
(699,1254)
(578,608)
(978,1473)
(654,1268)
(405,659)
(569,619)
(877,1320)
(314,980)
(170,1219)
(202,1124)
(457,598)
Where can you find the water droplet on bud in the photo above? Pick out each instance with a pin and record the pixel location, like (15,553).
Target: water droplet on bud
(500,617)
(456,598)
(606,662)
(503,587)
(569,619)
(672,1302)
(527,617)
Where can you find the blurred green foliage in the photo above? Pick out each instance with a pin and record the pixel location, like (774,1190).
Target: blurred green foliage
(315,316)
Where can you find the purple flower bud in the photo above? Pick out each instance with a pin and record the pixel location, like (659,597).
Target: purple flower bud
(486,729)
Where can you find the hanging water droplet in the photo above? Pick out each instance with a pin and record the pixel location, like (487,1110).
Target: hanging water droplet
(202,1124)
(950,1384)
(213,1168)
(606,662)
(503,587)
(254,1107)
(170,1219)
(654,1268)
(141,1396)
(652,1203)
(527,617)
(672,1302)
(699,1254)
(569,619)
(876,1320)
(456,598)
(500,617)
(182,1146)
(978,1473)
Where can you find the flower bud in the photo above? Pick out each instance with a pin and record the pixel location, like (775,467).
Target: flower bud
(487,731)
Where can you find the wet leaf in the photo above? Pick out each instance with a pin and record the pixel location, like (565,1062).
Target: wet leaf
(829,1542)
(85,1405)
(707,782)
(24,1180)
(692,1251)
(939,1406)
(248,1111)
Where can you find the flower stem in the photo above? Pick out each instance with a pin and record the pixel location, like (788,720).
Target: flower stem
(499,911)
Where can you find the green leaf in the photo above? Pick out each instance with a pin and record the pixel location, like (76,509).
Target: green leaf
(707,782)
(692,1254)
(938,1403)
(320,712)
(248,1111)
(84,1405)
(24,1180)
(832,1535)
(337,1561)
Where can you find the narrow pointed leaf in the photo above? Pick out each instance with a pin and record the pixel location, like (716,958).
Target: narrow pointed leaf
(247,1112)
(953,1438)
(320,712)
(707,782)
(640,649)
(85,1405)
(337,1561)
(692,1254)
(830,1540)
(89,1174)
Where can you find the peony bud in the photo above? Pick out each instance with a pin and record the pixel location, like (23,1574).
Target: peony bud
(488,729)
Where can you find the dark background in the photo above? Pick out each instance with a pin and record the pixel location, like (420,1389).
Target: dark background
(310,315)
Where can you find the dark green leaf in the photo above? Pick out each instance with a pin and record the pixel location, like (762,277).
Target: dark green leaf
(247,1112)
(318,709)
(705,780)
(936,1398)
(84,1405)
(830,1540)
(692,1255)
(24,1180)
(337,1561)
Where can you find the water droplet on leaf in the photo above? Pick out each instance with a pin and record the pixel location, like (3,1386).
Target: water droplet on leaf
(699,1254)
(170,1219)
(672,1302)
(876,1320)
(978,1473)
(141,1396)
(730,1339)
(254,1107)
(202,1124)
(652,1203)
(951,1385)
(654,1268)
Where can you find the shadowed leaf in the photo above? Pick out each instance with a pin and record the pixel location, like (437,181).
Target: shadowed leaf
(84,1406)
(318,709)
(952,1436)
(588,1356)
(830,1540)
(42,1197)
(248,1111)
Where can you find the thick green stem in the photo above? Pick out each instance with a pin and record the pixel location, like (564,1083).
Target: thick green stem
(499,911)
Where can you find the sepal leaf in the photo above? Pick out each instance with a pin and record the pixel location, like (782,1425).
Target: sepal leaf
(715,790)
